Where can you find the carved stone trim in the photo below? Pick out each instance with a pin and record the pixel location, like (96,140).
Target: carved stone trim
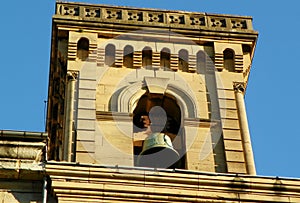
(92,12)
(72,74)
(148,17)
(239,87)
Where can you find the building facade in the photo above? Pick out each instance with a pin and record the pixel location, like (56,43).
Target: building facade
(144,105)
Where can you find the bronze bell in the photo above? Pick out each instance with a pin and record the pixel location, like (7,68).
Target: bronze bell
(158,152)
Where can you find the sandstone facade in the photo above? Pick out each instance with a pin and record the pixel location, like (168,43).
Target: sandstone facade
(110,67)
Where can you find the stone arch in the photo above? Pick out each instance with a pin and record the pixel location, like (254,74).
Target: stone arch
(128,53)
(201,62)
(147,57)
(229,59)
(165,58)
(186,101)
(110,54)
(125,99)
(183,60)
(83,48)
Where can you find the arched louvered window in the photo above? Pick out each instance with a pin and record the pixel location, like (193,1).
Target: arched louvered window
(147,58)
(128,56)
(228,55)
(110,55)
(201,62)
(165,57)
(83,49)
(183,60)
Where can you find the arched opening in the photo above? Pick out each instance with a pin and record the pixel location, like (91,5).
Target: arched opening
(167,102)
(183,60)
(83,49)
(110,55)
(165,57)
(201,62)
(128,56)
(229,60)
(147,58)
(144,127)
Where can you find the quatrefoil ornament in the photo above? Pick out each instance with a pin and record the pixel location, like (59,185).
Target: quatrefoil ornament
(174,19)
(112,14)
(154,17)
(69,11)
(92,13)
(197,21)
(217,23)
(238,24)
(133,16)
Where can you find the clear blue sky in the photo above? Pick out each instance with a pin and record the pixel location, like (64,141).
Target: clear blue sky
(272,98)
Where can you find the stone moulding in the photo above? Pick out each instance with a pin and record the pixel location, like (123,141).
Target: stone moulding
(153,17)
(24,146)
(77,182)
(22,155)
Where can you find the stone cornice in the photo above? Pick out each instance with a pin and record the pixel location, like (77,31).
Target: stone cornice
(183,20)
(17,135)
(165,185)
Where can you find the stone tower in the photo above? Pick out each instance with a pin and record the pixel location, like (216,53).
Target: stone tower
(110,66)
(144,106)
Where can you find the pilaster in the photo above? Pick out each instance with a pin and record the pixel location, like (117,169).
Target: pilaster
(239,89)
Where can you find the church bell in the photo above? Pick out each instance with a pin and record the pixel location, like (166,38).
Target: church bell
(158,152)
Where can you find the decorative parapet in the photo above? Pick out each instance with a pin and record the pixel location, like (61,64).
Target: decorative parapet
(151,17)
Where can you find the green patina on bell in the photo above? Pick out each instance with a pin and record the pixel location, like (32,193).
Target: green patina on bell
(158,152)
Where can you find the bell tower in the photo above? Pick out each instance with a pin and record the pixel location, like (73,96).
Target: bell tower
(150,88)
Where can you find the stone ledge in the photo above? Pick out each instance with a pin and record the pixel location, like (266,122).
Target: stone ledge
(21,150)
(21,169)
(145,184)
